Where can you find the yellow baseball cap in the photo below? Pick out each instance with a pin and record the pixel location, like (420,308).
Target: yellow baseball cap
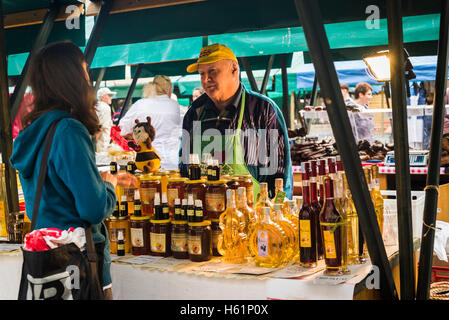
(212,53)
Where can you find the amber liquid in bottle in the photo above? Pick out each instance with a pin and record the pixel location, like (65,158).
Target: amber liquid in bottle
(378,200)
(353,224)
(263,201)
(331,227)
(307,222)
(316,206)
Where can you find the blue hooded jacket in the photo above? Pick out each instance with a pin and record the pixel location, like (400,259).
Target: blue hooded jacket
(74,190)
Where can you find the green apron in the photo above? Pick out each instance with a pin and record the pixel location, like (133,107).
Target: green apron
(238,165)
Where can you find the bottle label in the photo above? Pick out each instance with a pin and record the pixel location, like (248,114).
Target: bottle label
(123,207)
(165,210)
(195,245)
(190,213)
(305,234)
(215,202)
(198,213)
(137,207)
(280,196)
(137,237)
(178,211)
(172,194)
(113,169)
(157,242)
(114,234)
(179,242)
(262,244)
(329,244)
(121,247)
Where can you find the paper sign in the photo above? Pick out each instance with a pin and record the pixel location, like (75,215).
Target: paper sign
(8,247)
(141,260)
(332,280)
(295,271)
(165,263)
(217,267)
(255,270)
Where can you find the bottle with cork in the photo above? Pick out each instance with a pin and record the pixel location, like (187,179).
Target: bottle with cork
(160,230)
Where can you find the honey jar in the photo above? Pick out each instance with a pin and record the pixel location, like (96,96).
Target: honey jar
(197,188)
(149,185)
(215,198)
(175,189)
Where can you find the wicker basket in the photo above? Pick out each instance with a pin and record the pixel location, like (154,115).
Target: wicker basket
(439,291)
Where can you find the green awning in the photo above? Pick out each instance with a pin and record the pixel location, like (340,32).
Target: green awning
(21,39)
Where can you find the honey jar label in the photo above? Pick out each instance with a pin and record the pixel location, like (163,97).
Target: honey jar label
(305,235)
(215,202)
(195,245)
(147,195)
(179,242)
(262,244)
(137,237)
(172,194)
(157,241)
(329,244)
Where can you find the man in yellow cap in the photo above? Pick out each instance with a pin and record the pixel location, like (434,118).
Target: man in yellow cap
(241,128)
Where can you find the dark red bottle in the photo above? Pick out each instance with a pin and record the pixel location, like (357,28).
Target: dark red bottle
(316,206)
(332,226)
(307,223)
(322,174)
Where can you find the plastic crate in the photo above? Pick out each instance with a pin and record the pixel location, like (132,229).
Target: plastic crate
(390,227)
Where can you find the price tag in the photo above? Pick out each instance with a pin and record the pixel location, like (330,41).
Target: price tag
(216,267)
(332,280)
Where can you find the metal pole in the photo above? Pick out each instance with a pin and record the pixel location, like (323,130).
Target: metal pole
(311,20)
(285,96)
(99,78)
(94,39)
(433,174)
(314,92)
(129,95)
(12,197)
(263,89)
(249,73)
(401,154)
(41,40)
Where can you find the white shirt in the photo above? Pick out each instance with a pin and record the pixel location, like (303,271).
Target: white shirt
(105,117)
(166,120)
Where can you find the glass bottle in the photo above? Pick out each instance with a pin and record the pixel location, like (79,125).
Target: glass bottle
(194,167)
(267,241)
(316,207)
(263,201)
(245,209)
(353,224)
(322,175)
(199,214)
(292,240)
(179,233)
(233,241)
(378,200)
(120,244)
(308,253)
(190,209)
(331,227)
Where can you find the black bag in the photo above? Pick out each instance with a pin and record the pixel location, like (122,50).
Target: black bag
(66,272)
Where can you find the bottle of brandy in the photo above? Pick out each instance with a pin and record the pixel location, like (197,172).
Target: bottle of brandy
(292,242)
(378,200)
(353,224)
(243,207)
(331,228)
(267,241)
(307,222)
(316,206)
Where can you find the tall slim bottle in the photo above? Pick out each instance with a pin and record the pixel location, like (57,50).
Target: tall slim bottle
(307,220)
(353,224)
(378,200)
(339,204)
(316,206)
(321,176)
(332,230)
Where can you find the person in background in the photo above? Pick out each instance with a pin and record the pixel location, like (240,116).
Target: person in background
(197,92)
(118,109)
(103,108)
(74,190)
(165,118)
(364,122)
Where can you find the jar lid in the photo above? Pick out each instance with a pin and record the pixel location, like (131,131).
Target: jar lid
(215,220)
(160,221)
(244,175)
(147,177)
(177,179)
(200,224)
(123,218)
(139,218)
(162,173)
(194,181)
(216,182)
(179,222)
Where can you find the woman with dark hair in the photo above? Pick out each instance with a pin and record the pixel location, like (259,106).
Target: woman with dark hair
(74,190)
